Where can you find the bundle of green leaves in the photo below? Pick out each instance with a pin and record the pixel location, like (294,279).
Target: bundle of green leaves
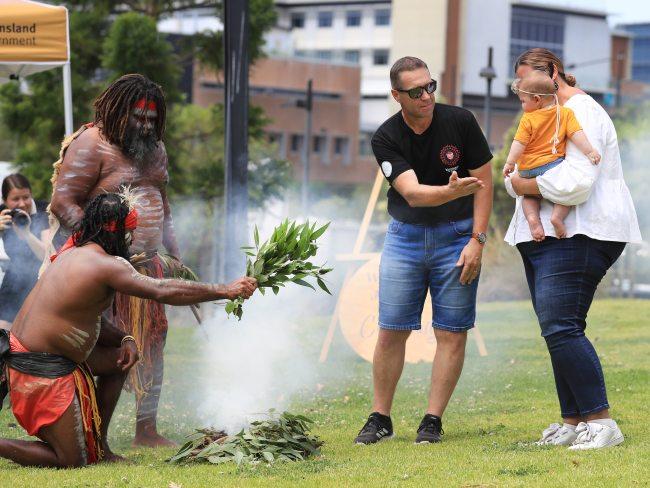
(283,437)
(283,259)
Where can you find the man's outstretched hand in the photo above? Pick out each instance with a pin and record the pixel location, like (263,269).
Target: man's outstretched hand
(242,287)
(462,187)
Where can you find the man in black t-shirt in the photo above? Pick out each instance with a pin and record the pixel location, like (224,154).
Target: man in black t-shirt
(435,158)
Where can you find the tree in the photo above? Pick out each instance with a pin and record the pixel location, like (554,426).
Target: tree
(208,46)
(632,127)
(195,146)
(151,8)
(504,204)
(133,45)
(35,119)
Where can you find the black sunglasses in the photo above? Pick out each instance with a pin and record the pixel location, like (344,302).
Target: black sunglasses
(416,92)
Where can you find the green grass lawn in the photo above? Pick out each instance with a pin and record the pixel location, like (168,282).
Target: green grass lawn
(502,402)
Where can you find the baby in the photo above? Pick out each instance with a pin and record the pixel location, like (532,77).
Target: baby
(540,144)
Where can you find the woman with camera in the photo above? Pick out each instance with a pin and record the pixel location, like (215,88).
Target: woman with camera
(23,228)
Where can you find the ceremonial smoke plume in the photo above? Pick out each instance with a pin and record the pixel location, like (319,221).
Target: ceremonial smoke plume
(262,362)
(256,364)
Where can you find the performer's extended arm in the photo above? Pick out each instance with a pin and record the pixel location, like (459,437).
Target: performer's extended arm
(77,177)
(122,277)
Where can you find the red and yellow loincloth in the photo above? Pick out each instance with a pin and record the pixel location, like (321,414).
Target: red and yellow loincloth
(38,402)
(146,321)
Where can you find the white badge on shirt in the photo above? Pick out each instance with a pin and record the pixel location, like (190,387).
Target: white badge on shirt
(387,168)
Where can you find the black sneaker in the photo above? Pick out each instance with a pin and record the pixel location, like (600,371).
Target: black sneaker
(378,428)
(430,430)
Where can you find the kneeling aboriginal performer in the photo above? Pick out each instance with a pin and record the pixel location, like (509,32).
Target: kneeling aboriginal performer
(58,341)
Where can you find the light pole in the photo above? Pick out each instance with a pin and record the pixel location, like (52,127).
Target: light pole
(236,124)
(489,74)
(307,104)
(620,58)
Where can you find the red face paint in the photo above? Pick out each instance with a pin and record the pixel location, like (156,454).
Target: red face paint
(142,103)
(130,223)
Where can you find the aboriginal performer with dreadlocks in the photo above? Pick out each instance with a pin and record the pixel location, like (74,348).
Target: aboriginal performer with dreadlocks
(58,342)
(123,147)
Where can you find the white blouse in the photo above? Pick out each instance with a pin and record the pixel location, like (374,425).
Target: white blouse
(602,204)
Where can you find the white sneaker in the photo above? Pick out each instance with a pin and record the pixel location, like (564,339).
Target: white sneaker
(592,435)
(557,435)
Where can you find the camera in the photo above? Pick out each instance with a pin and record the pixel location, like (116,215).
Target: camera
(19,217)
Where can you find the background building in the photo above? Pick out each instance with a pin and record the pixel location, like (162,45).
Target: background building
(342,31)
(276,85)
(640,50)
(348,46)
(520,26)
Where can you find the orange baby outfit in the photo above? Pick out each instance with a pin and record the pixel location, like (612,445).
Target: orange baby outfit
(536,131)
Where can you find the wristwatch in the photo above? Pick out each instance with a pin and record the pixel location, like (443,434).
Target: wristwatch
(480,237)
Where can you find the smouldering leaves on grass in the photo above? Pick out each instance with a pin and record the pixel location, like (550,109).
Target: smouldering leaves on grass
(283,259)
(284,437)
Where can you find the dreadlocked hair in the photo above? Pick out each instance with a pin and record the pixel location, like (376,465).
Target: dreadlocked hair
(113,107)
(101,210)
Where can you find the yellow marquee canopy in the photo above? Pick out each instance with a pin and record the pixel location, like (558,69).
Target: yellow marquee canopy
(34,37)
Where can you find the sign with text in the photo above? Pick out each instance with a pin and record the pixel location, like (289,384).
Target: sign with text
(32,32)
(358,317)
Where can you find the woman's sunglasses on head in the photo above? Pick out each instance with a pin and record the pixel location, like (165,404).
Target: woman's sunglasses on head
(416,92)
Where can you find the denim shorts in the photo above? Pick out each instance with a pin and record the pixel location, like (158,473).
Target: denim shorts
(417,259)
(540,170)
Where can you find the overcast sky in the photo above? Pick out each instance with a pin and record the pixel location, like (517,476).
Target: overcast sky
(621,11)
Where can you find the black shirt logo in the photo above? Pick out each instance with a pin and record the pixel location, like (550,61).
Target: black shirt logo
(449,156)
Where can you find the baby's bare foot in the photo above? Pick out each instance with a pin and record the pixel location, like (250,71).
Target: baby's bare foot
(560,228)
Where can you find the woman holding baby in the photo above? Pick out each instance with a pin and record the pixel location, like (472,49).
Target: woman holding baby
(564,271)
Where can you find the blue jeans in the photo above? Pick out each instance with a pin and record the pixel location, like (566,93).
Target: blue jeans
(540,170)
(417,259)
(563,275)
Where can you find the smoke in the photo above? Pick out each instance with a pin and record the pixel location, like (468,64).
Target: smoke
(256,364)
(271,357)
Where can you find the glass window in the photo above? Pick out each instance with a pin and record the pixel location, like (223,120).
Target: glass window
(382,17)
(641,73)
(351,56)
(299,53)
(380,57)
(277,139)
(365,149)
(296,142)
(323,54)
(325,19)
(319,144)
(341,149)
(297,20)
(353,18)
(531,27)
(320,148)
